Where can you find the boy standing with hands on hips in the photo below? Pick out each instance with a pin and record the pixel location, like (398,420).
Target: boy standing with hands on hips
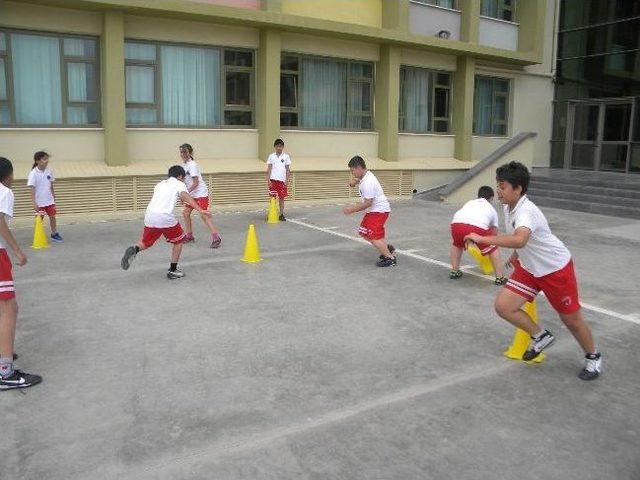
(278,172)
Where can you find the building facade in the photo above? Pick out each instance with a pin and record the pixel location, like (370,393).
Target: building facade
(597,93)
(422,89)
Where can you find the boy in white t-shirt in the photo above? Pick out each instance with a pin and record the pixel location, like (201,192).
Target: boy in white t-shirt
(159,220)
(10,378)
(376,207)
(480,217)
(541,263)
(197,188)
(278,172)
(40,181)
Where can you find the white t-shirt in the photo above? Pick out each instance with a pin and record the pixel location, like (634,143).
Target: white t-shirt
(192,171)
(41,180)
(279,166)
(159,212)
(544,253)
(478,212)
(6,207)
(369,187)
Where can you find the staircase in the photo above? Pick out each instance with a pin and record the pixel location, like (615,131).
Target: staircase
(614,194)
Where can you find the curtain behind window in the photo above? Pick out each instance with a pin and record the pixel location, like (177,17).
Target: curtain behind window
(482,106)
(324,94)
(416,101)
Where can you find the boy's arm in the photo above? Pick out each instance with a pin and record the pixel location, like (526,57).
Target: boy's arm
(11,241)
(353,182)
(194,185)
(269,166)
(518,239)
(366,203)
(188,200)
(288,173)
(33,197)
(53,192)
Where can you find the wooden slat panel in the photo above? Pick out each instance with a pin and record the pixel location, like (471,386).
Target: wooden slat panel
(319,185)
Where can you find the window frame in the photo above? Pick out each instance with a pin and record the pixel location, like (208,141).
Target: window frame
(224,69)
(349,114)
(436,3)
(501,7)
(64,81)
(494,95)
(432,91)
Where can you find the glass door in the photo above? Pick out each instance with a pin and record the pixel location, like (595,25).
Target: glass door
(584,141)
(615,136)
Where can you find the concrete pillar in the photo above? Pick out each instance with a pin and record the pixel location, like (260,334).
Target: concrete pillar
(268,91)
(469,20)
(387,97)
(463,86)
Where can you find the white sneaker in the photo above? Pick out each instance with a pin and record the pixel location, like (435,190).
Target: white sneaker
(592,367)
(175,274)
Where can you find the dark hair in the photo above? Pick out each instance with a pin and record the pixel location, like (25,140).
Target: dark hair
(6,168)
(39,155)
(514,173)
(188,147)
(176,171)
(357,161)
(485,192)
(278,141)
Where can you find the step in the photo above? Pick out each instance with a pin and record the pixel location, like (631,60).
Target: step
(601,209)
(631,183)
(585,197)
(607,191)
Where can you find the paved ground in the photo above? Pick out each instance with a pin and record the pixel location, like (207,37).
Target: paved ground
(314,364)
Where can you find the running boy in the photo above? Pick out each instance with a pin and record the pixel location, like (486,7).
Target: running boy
(376,207)
(480,217)
(278,172)
(40,182)
(10,378)
(541,262)
(200,193)
(160,220)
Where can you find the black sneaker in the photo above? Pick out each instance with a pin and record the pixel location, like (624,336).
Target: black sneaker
(281,218)
(387,262)
(19,379)
(392,250)
(500,281)
(217,242)
(173,275)
(592,367)
(455,274)
(129,254)
(537,345)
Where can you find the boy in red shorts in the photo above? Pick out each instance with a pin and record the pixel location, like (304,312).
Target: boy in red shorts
(10,378)
(376,207)
(541,263)
(159,220)
(480,217)
(278,172)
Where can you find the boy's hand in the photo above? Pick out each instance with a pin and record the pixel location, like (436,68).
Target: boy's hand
(206,213)
(353,183)
(21,257)
(472,237)
(347,210)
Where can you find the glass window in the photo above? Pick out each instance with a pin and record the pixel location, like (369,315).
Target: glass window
(326,93)
(54,80)
(500,9)
(188,86)
(441,3)
(424,101)
(490,106)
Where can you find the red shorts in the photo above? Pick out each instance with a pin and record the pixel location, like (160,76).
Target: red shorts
(277,189)
(7,289)
(49,210)
(460,230)
(203,203)
(172,234)
(560,287)
(372,225)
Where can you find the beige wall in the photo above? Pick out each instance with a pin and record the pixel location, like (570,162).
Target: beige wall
(429,60)
(332,47)
(428,179)
(162,145)
(167,30)
(551,18)
(330,144)
(21,15)
(425,146)
(364,12)
(19,145)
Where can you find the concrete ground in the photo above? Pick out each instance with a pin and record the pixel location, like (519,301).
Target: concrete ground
(314,364)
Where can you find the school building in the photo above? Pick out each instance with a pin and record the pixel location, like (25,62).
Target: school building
(423,89)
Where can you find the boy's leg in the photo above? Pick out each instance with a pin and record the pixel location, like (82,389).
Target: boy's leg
(186,214)
(580,330)
(209,223)
(508,305)
(281,204)
(382,247)
(496,263)
(456,254)
(8,316)
(54,226)
(176,250)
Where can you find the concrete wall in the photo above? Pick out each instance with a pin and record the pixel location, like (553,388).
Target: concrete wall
(497,33)
(330,144)
(429,20)
(412,145)
(363,12)
(329,47)
(23,15)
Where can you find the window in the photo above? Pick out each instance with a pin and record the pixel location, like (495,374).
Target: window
(48,80)
(425,98)
(326,93)
(490,106)
(500,9)
(452,4)
(188,86)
